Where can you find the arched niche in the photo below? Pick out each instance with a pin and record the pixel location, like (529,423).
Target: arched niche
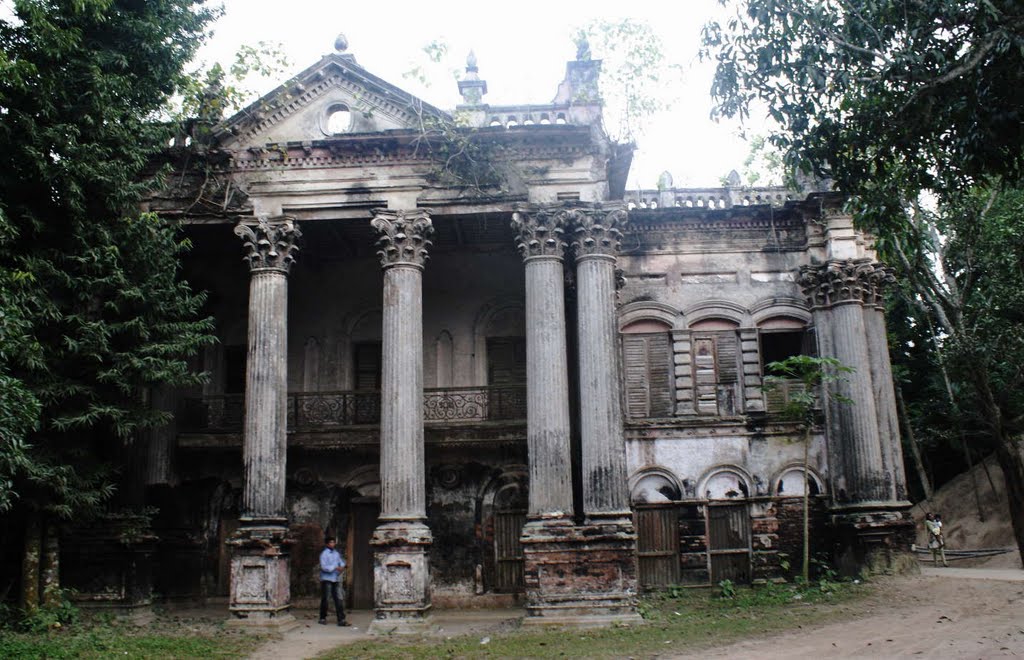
(727,482)
(506,318)
(654,486)
(791,481)
(444,360)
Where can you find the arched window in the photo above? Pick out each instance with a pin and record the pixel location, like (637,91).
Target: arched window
(647,369)
(782,337)
(716,366)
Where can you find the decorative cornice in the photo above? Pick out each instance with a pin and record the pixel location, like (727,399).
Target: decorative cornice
(596,231)
(404,236)
(540,232)
(270,243)
(853,280)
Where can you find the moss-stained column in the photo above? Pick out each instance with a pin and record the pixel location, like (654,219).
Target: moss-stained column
(868,509)
(881,377)
(401,568)
(260,587)
(596,234)
(541,242)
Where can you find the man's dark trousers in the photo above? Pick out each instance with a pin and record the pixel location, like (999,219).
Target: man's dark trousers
(334,589)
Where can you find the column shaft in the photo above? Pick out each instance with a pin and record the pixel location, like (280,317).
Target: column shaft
(858,419)
(603,450)
(266,398)
(885,402)
(547,390)
(403,490)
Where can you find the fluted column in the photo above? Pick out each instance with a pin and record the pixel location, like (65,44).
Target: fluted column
(596,235)
(260,588)
(841,289)
(541,242)
(401,568)
(885,395)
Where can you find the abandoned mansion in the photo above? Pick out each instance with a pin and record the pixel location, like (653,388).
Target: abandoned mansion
(458,344)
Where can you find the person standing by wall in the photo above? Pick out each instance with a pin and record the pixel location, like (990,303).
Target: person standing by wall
(331,566)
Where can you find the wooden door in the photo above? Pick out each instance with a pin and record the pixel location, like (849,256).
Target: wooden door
(363,522)
(729,542)
(657,544)
(508,550)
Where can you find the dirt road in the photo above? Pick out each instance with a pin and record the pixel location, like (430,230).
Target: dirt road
(944,613)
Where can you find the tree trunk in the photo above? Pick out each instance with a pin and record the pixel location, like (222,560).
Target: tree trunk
(1008,453)
(915,450)
(50,567)
(30,561)
(1010,460)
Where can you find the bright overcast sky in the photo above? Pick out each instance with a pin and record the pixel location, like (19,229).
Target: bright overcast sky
(521,47)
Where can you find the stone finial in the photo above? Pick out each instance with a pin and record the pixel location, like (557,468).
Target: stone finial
(471,87)
(341,43)
(582,48)
(540,232)
(733,179)
(270,243)
(853,280)
(404,236)
(596,230)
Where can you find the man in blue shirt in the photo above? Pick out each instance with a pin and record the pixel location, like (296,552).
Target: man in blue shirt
(331,566)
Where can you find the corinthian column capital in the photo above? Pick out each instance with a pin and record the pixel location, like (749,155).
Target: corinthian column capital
(270,243)
(540,232)
(852,280)
(596,231)
(404,236)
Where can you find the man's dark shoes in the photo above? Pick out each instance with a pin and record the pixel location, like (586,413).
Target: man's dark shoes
(344,624)
(322,622)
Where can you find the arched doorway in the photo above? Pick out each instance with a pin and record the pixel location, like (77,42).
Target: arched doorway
(655,497)
(729,546)
(503,514)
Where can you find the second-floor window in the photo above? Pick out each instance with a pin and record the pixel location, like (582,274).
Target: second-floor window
(647,369)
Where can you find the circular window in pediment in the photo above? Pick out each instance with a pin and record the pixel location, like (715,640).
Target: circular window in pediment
(338,120)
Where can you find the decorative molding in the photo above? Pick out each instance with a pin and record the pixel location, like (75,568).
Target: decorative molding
(404,236)
(270,243)
(596,231)
(540,232)
(852,280)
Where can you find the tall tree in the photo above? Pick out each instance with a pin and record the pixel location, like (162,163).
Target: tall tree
(916,108)
(103,313)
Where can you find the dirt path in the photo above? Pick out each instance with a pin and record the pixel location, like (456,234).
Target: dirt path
(944,613)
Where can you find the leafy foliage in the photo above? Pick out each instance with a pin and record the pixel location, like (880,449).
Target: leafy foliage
(918,110)
(95,311)
(636,79)
(884,97)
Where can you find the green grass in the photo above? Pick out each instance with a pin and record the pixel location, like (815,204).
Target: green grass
(676,621)
(104,639)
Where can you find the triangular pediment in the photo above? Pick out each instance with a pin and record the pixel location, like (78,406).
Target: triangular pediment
(333,98)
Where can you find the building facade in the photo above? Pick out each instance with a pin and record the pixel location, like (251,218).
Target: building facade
(457,343)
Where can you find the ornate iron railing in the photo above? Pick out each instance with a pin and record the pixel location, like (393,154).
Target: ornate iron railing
(325,410)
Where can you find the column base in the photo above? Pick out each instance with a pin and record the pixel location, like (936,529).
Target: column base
(260,578)
(873,538)
(401,573)
(580,575)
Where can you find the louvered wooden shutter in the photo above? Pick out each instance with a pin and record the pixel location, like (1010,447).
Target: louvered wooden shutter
(647,362)
(727,355)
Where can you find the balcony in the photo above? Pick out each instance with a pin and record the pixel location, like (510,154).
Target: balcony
(321,411)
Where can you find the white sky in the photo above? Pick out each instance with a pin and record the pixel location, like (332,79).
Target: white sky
(521,48)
